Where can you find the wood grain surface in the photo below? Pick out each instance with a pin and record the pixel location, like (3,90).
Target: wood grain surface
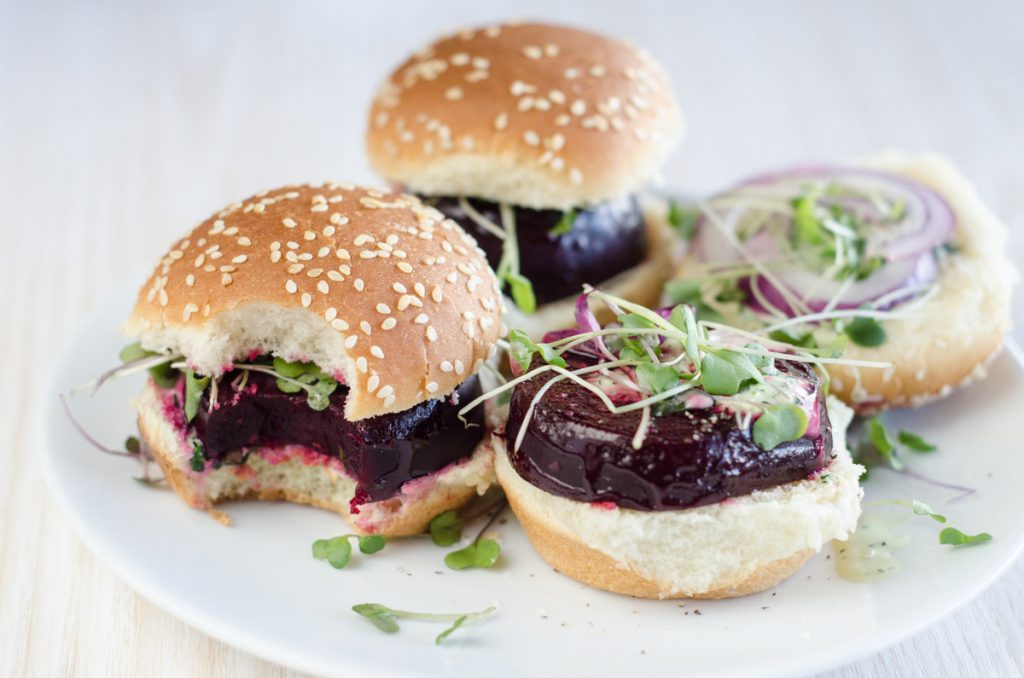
(123,123)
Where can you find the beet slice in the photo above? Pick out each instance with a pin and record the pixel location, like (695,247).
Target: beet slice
(606,239)
(575,448)
(381,453)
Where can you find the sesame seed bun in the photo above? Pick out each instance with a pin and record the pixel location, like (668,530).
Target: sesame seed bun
(732,548)
(530,114)
(373,287)
(295,474)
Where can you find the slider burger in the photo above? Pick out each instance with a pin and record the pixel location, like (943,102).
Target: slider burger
(535,139)
(663,458)
(894,259)
(313,344)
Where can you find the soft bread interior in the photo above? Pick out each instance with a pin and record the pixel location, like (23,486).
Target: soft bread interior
(299,475)
(734,547)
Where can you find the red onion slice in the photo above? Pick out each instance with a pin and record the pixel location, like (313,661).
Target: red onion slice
(908,245)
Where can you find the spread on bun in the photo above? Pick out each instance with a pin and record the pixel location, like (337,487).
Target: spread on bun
(536,139)
(314,343)
(663,457)
(894,259)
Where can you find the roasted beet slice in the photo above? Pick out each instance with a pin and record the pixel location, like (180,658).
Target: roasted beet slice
(575,448)
(381,452)
(605,240)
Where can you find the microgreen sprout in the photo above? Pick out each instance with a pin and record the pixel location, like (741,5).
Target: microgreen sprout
(564,225)
(482,552)
(507,271)
(949,535)
(880,447)
(337,551)
(386,618)
(682,219)
(659,355)
(132,448)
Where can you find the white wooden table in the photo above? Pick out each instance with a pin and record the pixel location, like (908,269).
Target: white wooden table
(121,124)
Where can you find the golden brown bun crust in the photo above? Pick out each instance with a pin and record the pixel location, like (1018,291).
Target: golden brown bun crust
(570,556)
(299,482)
(952,338)
(403,295)
(532,114)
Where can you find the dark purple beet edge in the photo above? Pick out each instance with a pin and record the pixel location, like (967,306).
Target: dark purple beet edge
(381,453)
(606,239)
(574,448)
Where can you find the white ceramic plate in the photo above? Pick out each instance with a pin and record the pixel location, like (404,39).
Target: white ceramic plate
(256,586)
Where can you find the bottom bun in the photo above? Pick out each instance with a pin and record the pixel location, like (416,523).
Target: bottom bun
(641,284)
(735,547)
(298,474)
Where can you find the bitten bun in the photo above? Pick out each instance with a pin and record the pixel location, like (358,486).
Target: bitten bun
(285,473)
(732,548)
(373,287)
(641,284)
(950,339)
(531,114)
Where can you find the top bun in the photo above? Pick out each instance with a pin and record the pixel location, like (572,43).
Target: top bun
(531,114)
(376,288)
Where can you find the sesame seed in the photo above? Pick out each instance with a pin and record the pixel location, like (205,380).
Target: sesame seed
(557,141)
(432,386)
(295,268)
(533,52)
(421,319)
(563,120)
(368,254)
(453,93)
(289,222)
(431,333)
(323,251)
(389,323)
(551,50)
(226,279)
(307,299)
(309,235)
(231,231)
(365,327)
(359,284)
(322,287)
(531,138)
(578,107)
(389,401)
(342,253)
(399,287)
(446,366)
(338,220)
(385,391)
(244,241)
(339,324)
(350,340)
(275,256)
(335,276)
(437,294)
(377,352)
(190,280)
(240,259)
(200,260)
(330,314)
(459,368)
(571,73)
(404,267)
(319,207)
(575,176)
(372,383)
(291,287)
(276,245)
(385,309)
(361,364)
(597,71)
